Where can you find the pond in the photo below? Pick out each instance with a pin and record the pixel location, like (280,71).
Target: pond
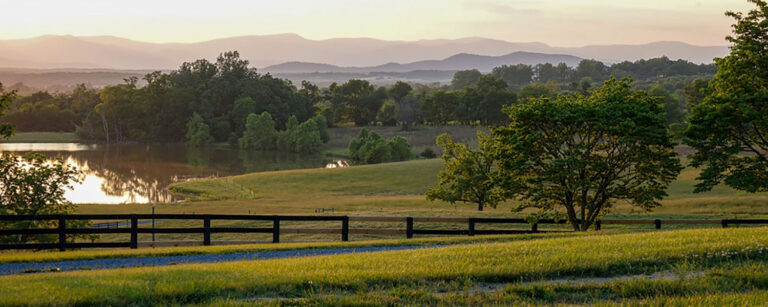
(141,173)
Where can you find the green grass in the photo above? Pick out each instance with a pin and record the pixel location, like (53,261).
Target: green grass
(42,137)
(17,257)
(453,270)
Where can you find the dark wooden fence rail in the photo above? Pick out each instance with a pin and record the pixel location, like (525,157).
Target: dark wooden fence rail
(206,230)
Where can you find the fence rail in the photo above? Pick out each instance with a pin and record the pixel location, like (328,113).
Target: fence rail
(344,230)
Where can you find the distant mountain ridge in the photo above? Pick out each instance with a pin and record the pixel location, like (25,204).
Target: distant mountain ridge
(109,52)
(460,61)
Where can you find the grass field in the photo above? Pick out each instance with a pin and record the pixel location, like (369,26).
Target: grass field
(42,137)
(725,265)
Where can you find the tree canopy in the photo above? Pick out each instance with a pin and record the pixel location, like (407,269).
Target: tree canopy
(729,128)
(585,153)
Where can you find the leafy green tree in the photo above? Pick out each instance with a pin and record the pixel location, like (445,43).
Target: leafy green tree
(729,129)
(387,114)
(400,149)
(6,130)
(408,111)
(468,174)
(242,109)
(259,134)
(198,133)
(356,101)
(583,154)
(696,91)
(370,147)
(440,107)
(539,89)
(398,91)
(673,107)
(322,127)
(33,185)
(465,78)
(307,138)
(516,76)
(593,69)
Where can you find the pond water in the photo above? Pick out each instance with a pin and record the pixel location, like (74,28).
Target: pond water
(141,173)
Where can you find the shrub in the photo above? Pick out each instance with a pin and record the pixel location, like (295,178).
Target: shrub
(428,153)
(370,147)
(260,133)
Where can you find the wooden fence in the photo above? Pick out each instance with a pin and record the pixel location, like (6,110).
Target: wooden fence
(132,227)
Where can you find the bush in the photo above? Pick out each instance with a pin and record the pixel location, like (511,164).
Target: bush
(370,147)
(322,127)
(198,133)
(400,149)
(260,133)
(428,153)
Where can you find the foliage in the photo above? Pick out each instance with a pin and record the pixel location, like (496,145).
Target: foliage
(356,101)
(729,129)
(674,109)
(34,185)
(465,78)
(428,153)
(198,133)
(516,76)
(469,174)
(387,114)
(6,130)
(586,153)
(260,133)
(370,147)
(322,127)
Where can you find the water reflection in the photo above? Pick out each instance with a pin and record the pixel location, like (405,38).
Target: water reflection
(142,173)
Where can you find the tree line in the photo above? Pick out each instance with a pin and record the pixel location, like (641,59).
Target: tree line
(581,154)
(225,92)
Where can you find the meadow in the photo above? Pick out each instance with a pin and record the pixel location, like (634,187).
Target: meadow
(679,267)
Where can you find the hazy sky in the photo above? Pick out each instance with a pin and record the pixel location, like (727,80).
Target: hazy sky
(556,22)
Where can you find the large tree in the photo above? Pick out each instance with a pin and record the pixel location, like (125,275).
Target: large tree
(584,153)
(729,129)
(468,174)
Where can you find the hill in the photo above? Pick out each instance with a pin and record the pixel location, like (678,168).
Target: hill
(52,51)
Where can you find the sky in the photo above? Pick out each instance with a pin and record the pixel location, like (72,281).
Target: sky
(566,23)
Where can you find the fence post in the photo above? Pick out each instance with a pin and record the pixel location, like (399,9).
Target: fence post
(724,223)
(471,231)
(134,231)
(206,230)
(345,228)
(276,229)
(409,227)
(62,233)
(658,223)
(535,227)
(598,225)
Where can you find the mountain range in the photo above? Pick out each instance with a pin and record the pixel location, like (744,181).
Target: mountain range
(293,53)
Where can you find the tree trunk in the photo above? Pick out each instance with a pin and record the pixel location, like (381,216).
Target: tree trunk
(479,206)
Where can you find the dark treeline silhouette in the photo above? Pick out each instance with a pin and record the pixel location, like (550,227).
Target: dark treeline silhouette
(223,93)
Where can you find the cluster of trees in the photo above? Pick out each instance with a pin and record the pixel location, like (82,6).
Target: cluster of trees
(581,154)
(307,137)
(370,147)
(223,94)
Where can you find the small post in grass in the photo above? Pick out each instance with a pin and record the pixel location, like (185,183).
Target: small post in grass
(409,227)
(207,230)
(658,223)
(62,233)
(471,230)
(276,229)
(134,232)
(345,228)
(153,221)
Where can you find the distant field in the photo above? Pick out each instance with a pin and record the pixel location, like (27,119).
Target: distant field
(683,267)
(42,137)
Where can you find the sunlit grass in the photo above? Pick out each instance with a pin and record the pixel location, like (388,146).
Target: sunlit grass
(42,137)
(443,269)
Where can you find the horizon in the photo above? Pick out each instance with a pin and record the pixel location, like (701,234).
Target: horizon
(724,44)
(558,23)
